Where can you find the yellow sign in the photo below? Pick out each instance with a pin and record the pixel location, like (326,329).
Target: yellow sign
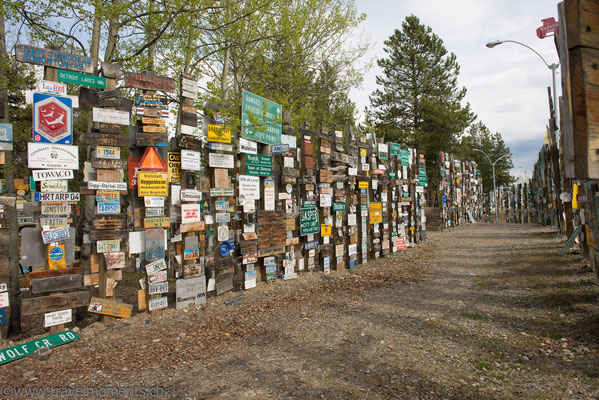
(376,213)
(151,183)
(363,152)
(575,195)
(363,184)
(589,236)
(325,230)
(219,133)
(174,167)
(57,257)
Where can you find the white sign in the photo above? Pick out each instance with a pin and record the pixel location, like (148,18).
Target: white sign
(249,187)
(191,195)
(97,185)
(52,174)
(156,266)
(159,276)
(58,318)
(52,87)
(190,213)
(3,287)
(190,160)
(269,194)
(109,116)
(158,304)
(153,201)
(220,146)
(247,146)
(56,156)
(288,162)
(325,200)
(223,233)
(216,160)
(72,196)
(154,212)
(58,186)
(352,219)
(112,153)
(3,299)
(190,291)
(191,130)
(290,140)
(352,171)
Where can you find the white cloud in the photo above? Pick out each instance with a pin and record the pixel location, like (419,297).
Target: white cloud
(507,85)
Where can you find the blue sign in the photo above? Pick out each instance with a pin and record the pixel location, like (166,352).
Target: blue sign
(444,200)
(56,254)
(224,249)
(52,119)
(279,148)
(2,316)
(6,137)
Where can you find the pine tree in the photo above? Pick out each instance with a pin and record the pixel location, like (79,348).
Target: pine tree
(420,101)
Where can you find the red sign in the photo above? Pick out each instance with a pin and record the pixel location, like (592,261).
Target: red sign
(379,171)
(133,164)
(550,25)
(401,243)
(151,161)
(52,119)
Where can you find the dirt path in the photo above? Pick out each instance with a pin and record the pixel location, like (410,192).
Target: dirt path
(481,311)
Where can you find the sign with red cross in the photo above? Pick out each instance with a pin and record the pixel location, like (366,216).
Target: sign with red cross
(52,119)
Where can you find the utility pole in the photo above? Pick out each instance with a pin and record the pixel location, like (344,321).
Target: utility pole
(494,186)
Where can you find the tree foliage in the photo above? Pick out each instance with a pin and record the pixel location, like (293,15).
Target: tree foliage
(481,138)
(419,102)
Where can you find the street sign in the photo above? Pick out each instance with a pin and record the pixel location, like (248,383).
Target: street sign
(26,349)
(52,119)
(279,149)
(151,161)
(308,221)
(47,155)
(81,79)
(260,119)
(258,165)
(53,58)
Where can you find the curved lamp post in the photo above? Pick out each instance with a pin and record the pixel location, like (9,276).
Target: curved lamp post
(494,187)
(552,67)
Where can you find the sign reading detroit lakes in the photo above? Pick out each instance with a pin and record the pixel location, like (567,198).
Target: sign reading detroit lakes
(260,119)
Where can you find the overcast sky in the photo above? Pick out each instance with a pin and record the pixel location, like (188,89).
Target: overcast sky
(507,85)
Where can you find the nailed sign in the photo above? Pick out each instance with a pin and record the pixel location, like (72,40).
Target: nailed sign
(190,291)
(53,58)
(54,235)
(190,160)
(58,318)
(26,349)
(74,196)
(219,133)
(149,81)
(109,116)
(109,307)
(308,221)
(260,119)
(46,155)
(151,183)
(81,79)
(258,165)
(52,119)
(55,208)
(216,160)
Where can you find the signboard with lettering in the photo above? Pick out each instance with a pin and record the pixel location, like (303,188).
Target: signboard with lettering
(174,167)
(28,348)
(77,78)
(260,119)
(53,58)
(56,256)
(308,221)
(258,165)
(52,119)
(154,243)
(109,307)
(216,160)
(54,235)
(109,116)
(56,156)
(219,133)
(190,160)
(72,196)
(190,213)
(108,246)
(55,208)
(249,187)
(158,304)
(151,183)
(247,146)
(149,81)
(60,186)
(376,213)
(190,291)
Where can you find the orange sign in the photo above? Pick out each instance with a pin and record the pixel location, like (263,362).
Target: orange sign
(151,161)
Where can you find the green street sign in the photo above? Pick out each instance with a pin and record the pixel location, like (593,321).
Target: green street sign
(260,119)
(308,221)
(338,206)
(394,149)
(405,157)
(81,79)
(26,349)
(258,165)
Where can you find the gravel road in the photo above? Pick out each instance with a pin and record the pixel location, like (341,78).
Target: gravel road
(481,311)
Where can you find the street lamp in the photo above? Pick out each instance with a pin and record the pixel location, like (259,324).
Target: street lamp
(552,67)
(494,187)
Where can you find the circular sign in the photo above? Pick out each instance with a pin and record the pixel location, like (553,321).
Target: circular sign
(56,254)
(224,249)
(21,192)
(223,233)
(241,199)
(288,188)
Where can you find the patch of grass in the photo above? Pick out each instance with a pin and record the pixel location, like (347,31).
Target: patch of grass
(480,282)
(474,316)
(500,377)
(557,336)
(485,365)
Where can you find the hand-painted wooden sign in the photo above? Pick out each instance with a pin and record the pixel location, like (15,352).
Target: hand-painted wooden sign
(157,222)
(108,164)
(53,58)
(40,305)
(149,81)
(26,349)
(190,291)
(115,260)
(109,307)
(109,221)
(109,116)
(55,284)
(154,243)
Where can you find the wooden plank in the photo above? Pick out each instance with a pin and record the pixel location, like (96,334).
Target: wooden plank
(154,129)
(39,305)
(106,139)
(582,23)
(189,119)
(92,279)
(150,139)
(111,70)
(108,235)
(118,103)
(190,143)
(26,280)
(118,221)
(153,120)
(55,284)
(154,112)
(157,222)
